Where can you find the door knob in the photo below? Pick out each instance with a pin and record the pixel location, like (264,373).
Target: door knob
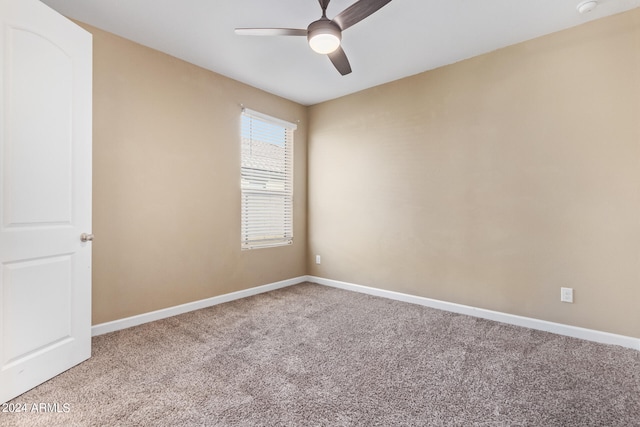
(84,237)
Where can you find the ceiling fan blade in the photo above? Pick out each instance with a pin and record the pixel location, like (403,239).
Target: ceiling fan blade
(271,32)
(358,11)
(340,61)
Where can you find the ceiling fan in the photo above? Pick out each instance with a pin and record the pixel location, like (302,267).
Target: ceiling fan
(324,35)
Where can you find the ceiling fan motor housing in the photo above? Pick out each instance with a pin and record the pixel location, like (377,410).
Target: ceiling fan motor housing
(324,35)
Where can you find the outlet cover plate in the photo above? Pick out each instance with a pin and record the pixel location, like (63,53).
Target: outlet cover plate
(566,295)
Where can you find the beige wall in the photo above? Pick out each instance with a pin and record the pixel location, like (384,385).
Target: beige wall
(166,210)
(492,182)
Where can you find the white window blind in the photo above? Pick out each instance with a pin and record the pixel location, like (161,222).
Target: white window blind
(266,181)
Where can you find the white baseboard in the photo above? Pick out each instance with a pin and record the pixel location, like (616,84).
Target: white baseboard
(116,325)
(527,322)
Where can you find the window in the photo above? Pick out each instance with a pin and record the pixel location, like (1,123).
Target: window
(266,181)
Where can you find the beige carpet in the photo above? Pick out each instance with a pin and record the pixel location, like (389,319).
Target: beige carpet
(310,355)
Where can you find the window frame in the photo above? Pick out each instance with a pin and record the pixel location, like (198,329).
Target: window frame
(266,181)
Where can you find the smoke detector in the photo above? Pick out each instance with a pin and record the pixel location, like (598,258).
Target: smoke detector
(586,6)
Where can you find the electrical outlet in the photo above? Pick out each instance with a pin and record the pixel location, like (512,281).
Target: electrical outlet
(317,259)
(566,295)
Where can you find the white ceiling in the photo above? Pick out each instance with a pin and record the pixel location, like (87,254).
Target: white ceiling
(403,38)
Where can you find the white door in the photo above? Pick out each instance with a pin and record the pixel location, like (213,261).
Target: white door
(45,195)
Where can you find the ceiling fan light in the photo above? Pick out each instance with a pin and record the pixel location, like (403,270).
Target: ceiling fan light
(324,43)
(324,36)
